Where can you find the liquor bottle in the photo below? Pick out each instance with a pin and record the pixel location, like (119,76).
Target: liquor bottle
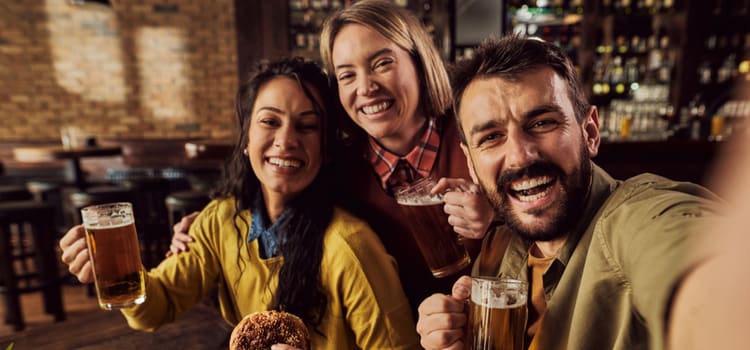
(632,72)
(637,44)
(621,44)
(622,7)
(617,77)
(600,81)
(641,7)
(558,8)
(576,6)
(667,6)
(665,70)
(727,71)
(705,73)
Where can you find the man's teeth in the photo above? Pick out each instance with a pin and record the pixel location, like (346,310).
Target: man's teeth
(287,163)
(533,197)
(371,109)
(530,183)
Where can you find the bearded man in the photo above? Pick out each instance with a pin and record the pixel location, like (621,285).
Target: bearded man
(603,258)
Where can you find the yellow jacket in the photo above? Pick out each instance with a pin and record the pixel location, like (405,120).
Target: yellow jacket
(367,307)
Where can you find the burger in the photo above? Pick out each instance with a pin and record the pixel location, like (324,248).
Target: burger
(260,330)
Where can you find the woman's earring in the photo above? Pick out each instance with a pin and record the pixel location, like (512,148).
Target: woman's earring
(244,151)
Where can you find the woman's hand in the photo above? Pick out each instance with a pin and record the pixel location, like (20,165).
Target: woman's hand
(180,237)
(469,211)
(75,254)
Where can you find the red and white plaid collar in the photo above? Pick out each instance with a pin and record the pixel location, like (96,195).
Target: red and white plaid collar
(394,170)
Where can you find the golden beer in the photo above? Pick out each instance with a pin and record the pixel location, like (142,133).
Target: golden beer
(497,315)
(115,255)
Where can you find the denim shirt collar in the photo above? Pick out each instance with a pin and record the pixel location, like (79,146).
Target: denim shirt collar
(267,235)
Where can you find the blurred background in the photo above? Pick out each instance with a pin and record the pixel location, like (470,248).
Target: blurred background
(109,100)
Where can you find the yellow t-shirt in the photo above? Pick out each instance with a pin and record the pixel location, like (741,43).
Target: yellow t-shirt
(367,307)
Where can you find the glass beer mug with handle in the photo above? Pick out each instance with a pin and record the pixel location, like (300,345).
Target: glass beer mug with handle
(115,255)
(497,314)
(439,244)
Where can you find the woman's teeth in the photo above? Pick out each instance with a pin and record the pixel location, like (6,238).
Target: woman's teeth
(287,163)
(376,108)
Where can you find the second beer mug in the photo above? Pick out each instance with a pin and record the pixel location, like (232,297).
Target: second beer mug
(429,225)
(497,314)
(115,255)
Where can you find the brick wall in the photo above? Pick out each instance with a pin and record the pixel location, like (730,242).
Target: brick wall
(139,69)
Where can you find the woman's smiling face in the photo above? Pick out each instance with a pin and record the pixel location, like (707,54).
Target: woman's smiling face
(378,86)
(284,138)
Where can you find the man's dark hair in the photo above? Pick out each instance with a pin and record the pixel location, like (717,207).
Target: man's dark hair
(510,56)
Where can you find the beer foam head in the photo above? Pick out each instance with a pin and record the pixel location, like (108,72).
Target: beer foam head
(486,294)
(105,222)
(420,200)
(499,301)
(107,215)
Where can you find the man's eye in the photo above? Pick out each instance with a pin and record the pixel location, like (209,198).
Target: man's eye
(543,125)
(489,138)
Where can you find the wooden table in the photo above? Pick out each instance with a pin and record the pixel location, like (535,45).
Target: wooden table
(198,328)
(72,156)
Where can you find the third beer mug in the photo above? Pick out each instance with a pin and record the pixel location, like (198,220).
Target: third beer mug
(429,225)
(115,255)
(497,314)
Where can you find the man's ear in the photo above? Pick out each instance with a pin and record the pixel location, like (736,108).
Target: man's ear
(590,129)
(473,175)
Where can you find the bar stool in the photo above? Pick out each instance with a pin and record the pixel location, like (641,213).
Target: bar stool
(14,193)
(149,195)
(182,203)
(50,193)
(28,262)
(203,179)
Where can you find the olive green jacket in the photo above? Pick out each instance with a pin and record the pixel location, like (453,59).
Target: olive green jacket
(612,283)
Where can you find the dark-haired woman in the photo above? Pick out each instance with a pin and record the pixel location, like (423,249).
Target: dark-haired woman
(273,239)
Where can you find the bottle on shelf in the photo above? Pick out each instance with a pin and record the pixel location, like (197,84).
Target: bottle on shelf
(623,7)
(575,6)
(667,6)
(727,71)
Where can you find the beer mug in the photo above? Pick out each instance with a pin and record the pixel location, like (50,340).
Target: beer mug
(115,256)
(439,244)
(497,314)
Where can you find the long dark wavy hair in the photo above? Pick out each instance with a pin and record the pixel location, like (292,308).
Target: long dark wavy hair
(299,291)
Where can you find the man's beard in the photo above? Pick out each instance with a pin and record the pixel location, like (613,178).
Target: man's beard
(569,206)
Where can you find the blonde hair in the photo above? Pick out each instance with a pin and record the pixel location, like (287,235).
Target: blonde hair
(404,29)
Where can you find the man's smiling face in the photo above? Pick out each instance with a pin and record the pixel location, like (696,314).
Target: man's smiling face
(528,151)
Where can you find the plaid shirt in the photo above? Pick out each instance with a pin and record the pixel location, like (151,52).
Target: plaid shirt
(394,170)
